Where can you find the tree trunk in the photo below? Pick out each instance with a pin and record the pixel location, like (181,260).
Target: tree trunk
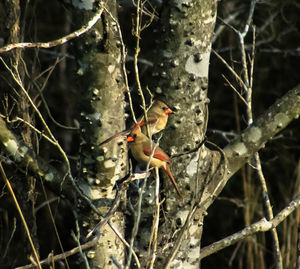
(102,115)
(182,76)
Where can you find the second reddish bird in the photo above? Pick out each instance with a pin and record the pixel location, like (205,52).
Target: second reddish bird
(140,147)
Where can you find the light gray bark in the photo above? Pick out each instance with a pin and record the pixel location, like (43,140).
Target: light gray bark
(102,115)
(181,75)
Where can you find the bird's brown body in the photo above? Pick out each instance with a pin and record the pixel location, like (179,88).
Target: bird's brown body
(157,117)
(141,150)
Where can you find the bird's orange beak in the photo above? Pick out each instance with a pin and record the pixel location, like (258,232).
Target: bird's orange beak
(169,111)
(129,139)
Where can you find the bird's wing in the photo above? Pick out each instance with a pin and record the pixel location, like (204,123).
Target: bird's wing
(141,122)
(158,153)
(150,120)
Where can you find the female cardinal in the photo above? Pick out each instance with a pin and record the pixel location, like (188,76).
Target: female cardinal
(157,119)
(140,147)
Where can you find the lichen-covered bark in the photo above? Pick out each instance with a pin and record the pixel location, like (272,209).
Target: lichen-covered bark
(181,75)
(275,119)
(102,114)
(243,147)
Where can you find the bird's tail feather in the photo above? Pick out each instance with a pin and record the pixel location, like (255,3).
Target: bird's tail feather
(123,133)
(173,180)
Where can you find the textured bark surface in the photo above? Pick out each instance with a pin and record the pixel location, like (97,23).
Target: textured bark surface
(275,119)
(181,75)
(102,114)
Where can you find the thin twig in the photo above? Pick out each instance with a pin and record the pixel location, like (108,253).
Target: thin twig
(18,80)
(153,237)
(137,33)
(194,207)
(123,53)
(250,16)
(54,225)
(55,142)
(64,255)
(269,212)
(235,90)
(29,125)
(59,41)
(51,69)
(220,29)
(37,260)
(10,238)
(248,78)
(138,264)
(262,225)
(139,207)
(77,240)
(120,191)
(231,70)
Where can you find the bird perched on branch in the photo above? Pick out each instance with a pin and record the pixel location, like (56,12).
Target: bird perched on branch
(157,117)
(140,147)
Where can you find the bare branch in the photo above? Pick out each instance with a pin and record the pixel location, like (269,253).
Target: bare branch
(220,29)
(27,158)
(64,255)
(59,41)
(261,226)
(275,119)
(235,90)
(243,85)
(153,237)
(7,183)
(125,243)
(244,146)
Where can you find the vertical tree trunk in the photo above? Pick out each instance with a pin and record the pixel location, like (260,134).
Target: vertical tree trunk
(182,76)
(102,115)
